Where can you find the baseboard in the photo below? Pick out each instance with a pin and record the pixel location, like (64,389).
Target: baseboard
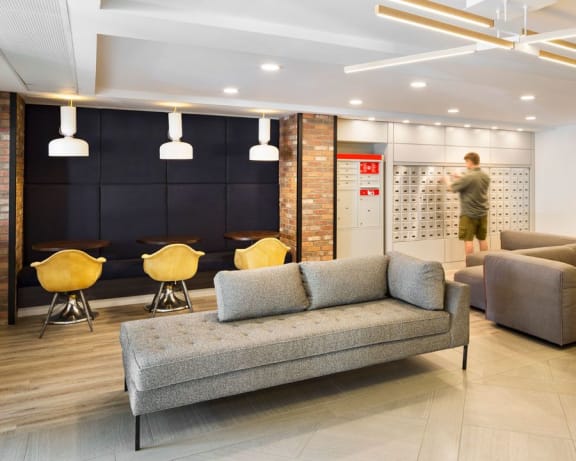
(113,302)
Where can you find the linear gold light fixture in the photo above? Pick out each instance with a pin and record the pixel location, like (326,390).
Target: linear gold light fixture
(556,58)
(438,26)
(564,44)
(448,12)
(547,37)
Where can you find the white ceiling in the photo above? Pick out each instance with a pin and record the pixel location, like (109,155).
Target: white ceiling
(142,53)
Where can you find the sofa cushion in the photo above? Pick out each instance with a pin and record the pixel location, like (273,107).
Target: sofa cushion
(344,281)
(170,350)
(416,281)
(474,277)
(259,292)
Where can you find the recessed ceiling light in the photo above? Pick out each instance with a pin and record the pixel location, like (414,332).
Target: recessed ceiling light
(230,90)
(418,84)
(530,117)
(467,126)
(494,127)
(355,102)
(527,97)
(270,67)
(437,123)
(405,121)
(371,119)
(453,110)
(520,129)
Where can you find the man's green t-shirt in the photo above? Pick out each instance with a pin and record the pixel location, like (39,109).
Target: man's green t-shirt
(473,188)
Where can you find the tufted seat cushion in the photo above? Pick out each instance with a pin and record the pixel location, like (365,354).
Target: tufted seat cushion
(166,351)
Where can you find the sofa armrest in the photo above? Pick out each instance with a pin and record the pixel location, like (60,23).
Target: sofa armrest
(457,303)
(477,259)
(533,295)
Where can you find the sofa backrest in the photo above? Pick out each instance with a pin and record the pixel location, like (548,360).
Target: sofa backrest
(517,240)
(562,253)
(317,284)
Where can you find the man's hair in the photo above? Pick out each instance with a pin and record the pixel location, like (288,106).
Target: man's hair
(473,157)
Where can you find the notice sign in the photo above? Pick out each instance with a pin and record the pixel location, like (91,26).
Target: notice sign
(369,167)
(370,192)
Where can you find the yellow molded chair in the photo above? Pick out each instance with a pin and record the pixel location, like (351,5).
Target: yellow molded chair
(265,252)
(171,265)
(68,272)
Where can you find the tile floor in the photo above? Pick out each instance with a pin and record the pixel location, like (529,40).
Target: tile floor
(516,402)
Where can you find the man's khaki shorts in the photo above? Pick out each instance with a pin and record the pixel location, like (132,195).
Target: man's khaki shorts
(473,227)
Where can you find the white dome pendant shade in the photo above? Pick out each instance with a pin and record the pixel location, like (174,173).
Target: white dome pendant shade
(175,149)
(68,146)
(263,152)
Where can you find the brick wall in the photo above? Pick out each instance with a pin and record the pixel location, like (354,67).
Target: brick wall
(317,187)
(8,271)
(315,178)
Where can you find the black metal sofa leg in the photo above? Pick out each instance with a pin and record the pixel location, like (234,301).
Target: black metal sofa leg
(465,357)
(137,432)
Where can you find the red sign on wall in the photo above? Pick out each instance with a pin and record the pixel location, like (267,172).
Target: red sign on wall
(370,192)
(369,168)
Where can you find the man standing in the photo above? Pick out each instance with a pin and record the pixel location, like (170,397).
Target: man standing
(473,189)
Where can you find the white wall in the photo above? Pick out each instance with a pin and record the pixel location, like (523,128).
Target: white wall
(555,181)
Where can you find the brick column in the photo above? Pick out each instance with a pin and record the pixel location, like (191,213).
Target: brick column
(307,217)
(11,199)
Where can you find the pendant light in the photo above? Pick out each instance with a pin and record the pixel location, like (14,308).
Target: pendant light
(263,152)
(68,146)
(175,149)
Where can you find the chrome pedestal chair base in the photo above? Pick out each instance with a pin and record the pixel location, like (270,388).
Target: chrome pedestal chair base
(75,310)
(167,299)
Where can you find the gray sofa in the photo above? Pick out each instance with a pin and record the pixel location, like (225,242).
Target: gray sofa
(288,323)
(520,242)
(534,292)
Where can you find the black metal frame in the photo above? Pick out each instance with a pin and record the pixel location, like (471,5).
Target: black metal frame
(465,357)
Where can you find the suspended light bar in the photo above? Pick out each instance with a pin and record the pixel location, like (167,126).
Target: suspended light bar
(422,57)
(175,149)
(443,10)
(68,146)
(264,152)
(438,26)
(548,37)
(557,58)
(563,44)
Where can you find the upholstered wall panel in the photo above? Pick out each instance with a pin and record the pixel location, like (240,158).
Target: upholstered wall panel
(208,138)
(243,134)
(128,192)
(198,209)
(59,211)
(129,212)
(44,123)
(252,206)
(130,141)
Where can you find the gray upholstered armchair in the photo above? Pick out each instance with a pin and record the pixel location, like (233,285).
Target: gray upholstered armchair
(532,294)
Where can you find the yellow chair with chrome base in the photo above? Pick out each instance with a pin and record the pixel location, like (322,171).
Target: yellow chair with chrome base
(67,273)
(171,265)
(263,253)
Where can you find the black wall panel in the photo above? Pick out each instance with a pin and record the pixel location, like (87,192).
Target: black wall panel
(198,209)
(252,206)
(241,135)
(43,125)
(208,138)
(129,212)
(130,147)
(58,212)
(123,191)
